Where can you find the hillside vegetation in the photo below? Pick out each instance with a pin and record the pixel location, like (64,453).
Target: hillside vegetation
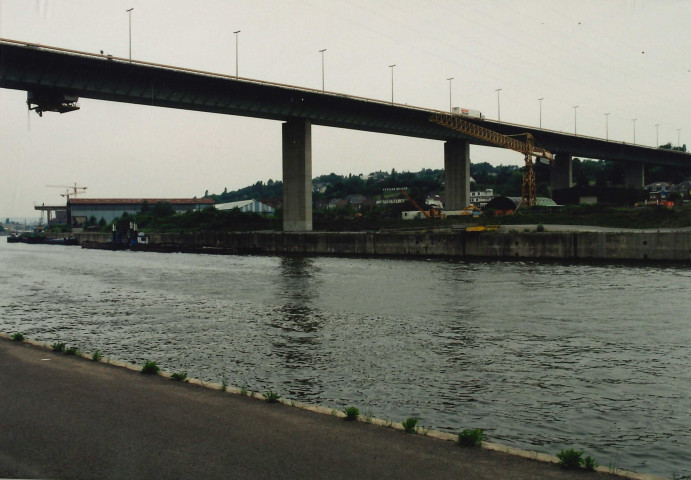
(333,210)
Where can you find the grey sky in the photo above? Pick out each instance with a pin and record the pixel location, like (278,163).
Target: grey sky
(626,57)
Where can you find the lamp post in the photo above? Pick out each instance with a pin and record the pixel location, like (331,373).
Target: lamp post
(657,135)
(678,138)
(575,123)
(391,67)
(322,52)
(129,14)
(498,105)
(634,130)
(450,107)
(606,126)
(540,100)
(236,52)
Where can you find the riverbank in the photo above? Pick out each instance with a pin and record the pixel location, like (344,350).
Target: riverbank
(66,417)
(509,242)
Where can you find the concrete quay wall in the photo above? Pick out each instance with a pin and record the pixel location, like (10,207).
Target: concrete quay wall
(662,246)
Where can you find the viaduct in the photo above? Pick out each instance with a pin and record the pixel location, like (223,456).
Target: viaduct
(54,78)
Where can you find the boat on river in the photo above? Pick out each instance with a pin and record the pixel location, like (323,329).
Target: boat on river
(38,237)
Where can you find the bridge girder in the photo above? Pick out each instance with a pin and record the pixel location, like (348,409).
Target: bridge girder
(32,67)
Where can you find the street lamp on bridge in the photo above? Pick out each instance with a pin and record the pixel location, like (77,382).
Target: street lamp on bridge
(236,52)
(129,14)
(634,130)
(606,126)
(391,67)
(498,105)
(450,107)
(575,124)
(322,52)
(657,135)
(540,100)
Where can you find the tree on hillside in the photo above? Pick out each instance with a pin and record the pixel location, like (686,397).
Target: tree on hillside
(330,178)
(162,210)
(483,173)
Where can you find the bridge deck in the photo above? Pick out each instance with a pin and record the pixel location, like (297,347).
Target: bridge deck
(32,67)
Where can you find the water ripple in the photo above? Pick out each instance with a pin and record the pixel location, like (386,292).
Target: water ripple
(541,356)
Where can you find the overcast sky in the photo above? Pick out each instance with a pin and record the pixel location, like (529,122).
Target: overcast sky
(629,58)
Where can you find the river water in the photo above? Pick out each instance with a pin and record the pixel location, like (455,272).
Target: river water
(542,356)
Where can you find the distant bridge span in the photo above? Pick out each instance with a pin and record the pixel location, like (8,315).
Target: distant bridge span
(48,70)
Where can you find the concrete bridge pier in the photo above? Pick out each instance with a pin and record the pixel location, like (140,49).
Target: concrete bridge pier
(634,175)
(561,172)
(297,176)
(457,174)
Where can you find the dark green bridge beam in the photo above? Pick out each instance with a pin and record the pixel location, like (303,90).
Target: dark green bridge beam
(31,67)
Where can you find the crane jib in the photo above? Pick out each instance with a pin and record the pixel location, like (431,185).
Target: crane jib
(527,148)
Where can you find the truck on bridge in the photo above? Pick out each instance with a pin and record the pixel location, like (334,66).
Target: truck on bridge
(467,112)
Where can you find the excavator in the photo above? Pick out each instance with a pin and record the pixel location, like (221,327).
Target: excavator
(527,148)
(427,213)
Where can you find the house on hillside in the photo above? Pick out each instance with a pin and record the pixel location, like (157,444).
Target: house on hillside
(356,201)
(684,188)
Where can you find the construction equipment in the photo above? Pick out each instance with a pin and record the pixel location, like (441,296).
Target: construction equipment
(51,101)
(482,228)
(75,190)
(427,213)
(527,148)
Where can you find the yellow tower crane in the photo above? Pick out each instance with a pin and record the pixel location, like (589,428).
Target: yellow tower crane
(75,190)
(527,148)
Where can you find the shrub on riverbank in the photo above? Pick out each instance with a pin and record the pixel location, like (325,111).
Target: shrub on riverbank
(351,413)
(271,397)
(570,459)
(179,377)
(410,425)
(471,437)
(150,368)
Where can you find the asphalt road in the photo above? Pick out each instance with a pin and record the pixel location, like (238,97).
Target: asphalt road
(70,418)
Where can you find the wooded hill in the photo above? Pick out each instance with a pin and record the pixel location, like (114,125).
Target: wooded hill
(503,179)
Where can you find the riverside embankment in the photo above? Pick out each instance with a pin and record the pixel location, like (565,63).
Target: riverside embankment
(65,417)
(507,243)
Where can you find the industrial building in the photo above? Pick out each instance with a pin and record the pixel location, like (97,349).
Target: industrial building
(254,206)
(510,204)
(82,209)
(482,198)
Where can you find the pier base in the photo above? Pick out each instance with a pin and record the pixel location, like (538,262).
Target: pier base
(457,174)
(297,176)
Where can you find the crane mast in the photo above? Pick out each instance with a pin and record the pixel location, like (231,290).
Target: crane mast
(527,148)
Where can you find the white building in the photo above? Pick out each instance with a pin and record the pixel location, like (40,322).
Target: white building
(254,206)
(481,199)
